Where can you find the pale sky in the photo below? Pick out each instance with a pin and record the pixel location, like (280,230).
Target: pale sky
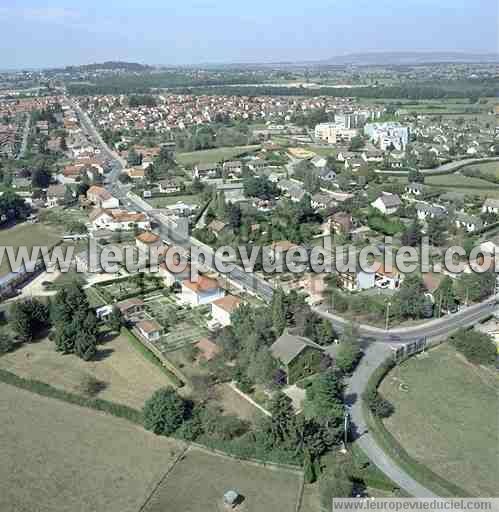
(33,34)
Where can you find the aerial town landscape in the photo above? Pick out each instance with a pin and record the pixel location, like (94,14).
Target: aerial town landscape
(149,363)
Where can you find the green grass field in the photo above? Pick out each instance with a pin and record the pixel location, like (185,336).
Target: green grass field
(491,168)
(213,155)
(198,482)
(58,457)
(458,180)
(28,235)
(447,418)
(163,202)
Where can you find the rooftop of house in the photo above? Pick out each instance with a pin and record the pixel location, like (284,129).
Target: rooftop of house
(203,284)
(148,237)
(127,304)
(100,192)
(149,326)
(229,303)
(287,347)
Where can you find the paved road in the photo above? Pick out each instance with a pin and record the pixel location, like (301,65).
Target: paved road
(430,329)
(375,354)
(445,168)
(24,143)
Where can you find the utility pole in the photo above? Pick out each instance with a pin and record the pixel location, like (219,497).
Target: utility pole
(346,426)
(387,321)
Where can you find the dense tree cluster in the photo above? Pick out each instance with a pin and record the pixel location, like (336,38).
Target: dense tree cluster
(75,323)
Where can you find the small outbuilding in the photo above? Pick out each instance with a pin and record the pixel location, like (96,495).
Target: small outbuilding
(231,498)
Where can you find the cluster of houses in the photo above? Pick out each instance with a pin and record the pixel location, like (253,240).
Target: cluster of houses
(181,111)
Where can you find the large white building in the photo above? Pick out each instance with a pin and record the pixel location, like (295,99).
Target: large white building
(388,135)
(333,133)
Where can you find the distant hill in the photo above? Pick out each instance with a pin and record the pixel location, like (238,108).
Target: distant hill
(111,66)
(408,58)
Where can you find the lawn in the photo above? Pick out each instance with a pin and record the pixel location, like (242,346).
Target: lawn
(58,457)
(213,155)
(28,235)
(198,482)
(447,418)
(163,202)
(118,367)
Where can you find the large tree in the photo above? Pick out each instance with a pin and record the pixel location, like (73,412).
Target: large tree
(164,412)
(29,318)
(283,418)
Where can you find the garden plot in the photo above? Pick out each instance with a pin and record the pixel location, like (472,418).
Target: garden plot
(183,325)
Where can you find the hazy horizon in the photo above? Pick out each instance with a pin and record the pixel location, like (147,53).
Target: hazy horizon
(201,32)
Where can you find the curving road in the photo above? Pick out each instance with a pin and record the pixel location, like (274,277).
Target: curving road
(447,168)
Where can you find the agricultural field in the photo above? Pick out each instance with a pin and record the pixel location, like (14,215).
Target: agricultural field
(28,235)
(213,155)
(75,458)
(163,202)
(199,480)
(116,374)
(447,418)
(189,323)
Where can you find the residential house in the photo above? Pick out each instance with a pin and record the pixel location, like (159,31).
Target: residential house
(174,272)
(150,329)
(425,211)
(55,195)
(202,291)
(491,206)
(168,187)
(387,278)
(469,223)
(233,167)
(299,357)
(321,201)
(216,227)
(147,240)
(221,309)
(340,222)
(206,171)
(327,174)
(130,307)
(102,198)
(356,280)
(118,220)
(136,173)
(414,189)
(292,189)
(387,203)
